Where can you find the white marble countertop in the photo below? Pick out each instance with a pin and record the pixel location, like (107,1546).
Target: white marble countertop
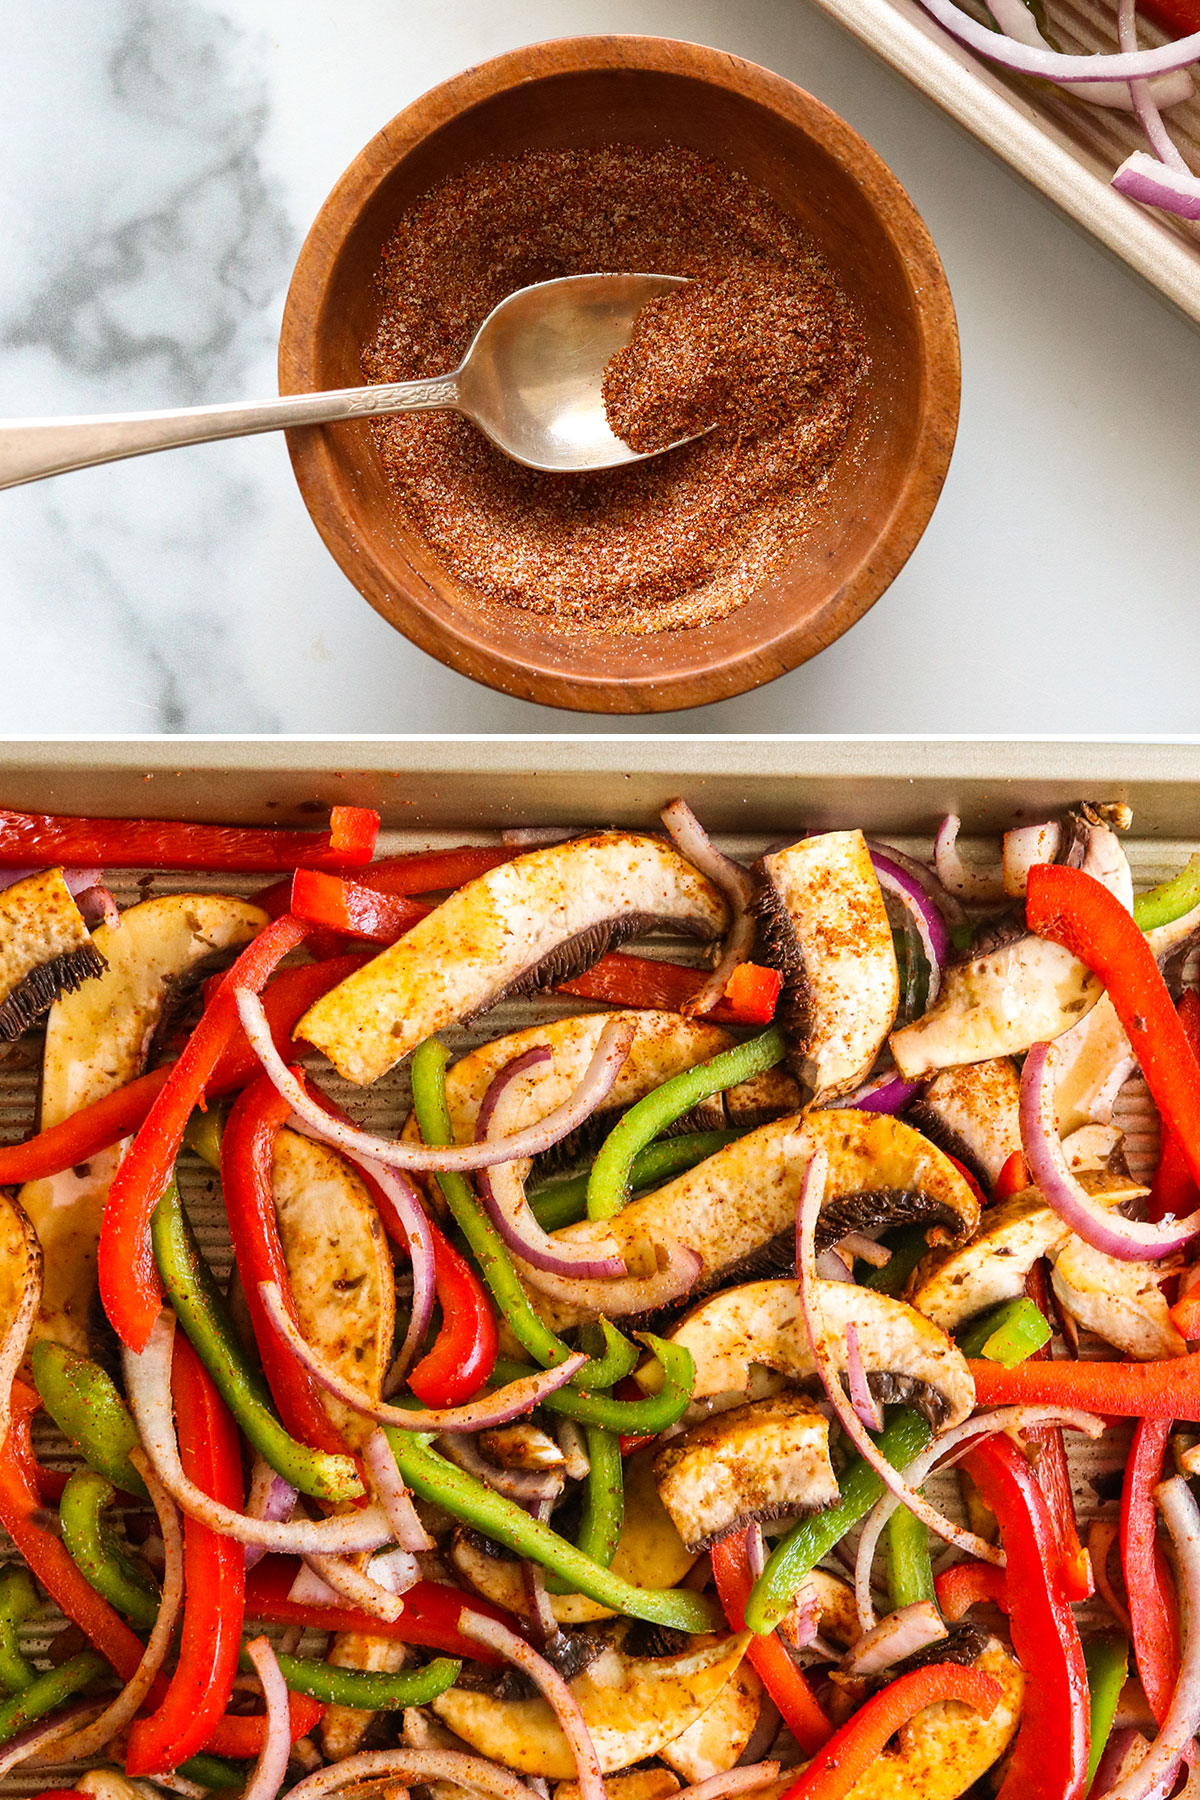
(160,162)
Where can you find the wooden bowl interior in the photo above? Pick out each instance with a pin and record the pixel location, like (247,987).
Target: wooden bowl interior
(821,174)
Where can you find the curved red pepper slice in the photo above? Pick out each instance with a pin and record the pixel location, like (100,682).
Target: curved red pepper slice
(46,838)
(1153,1614)
(1012,1179)
(625,980)
(430,1617)
(787,1686)
(1169,1389)
(350,908)
(968,1584)
(464,1352)
(241,1735)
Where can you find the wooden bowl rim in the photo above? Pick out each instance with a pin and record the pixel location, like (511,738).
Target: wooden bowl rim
(458,641)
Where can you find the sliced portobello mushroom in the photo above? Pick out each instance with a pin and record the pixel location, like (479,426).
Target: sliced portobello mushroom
(824,924)
(950,1286)
(1023,992)
(524,925)
(340,1268)
(974,1113)
(734,1205)
(45,950)
(750,1462)
(1120,1301)
(97,1039)
(905,1357)
(718,1738)
(631,1706)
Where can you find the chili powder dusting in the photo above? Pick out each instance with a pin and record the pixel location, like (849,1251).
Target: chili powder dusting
(764,348)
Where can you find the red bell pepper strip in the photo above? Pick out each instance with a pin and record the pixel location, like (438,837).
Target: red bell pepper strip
(1185,1314)
(45,1552)
(175,844)
(967,1176)
(430,1617)
(752,992)
(1153,1613)
(1050,1757)
(1073,909)
(350,908)
(433,871)
(968,1584)
(130,1287)
(1173,1189)
(1169,1389)
(642,981)
(465,1349)
(242,1734)
(1179,17)
(787,1686)
(1012,1179)
(1053,1474)
(214,1574)
(247,1163)
(850,1752)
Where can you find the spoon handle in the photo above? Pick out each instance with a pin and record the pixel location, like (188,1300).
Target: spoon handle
(33,448)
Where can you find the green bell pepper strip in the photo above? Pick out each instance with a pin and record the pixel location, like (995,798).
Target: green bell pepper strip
(908,1245)
(98,1553)
(1107,1661)
(609,1181)
(201,1309)
(904,1436)
(463,1497)
(1009,1333)
(564,1202)
(84,1403)
(428,1075)
(628,1418)
(364,1689)
(214,1771)
(202,1134)
(1163,905)
(47,1692)
(603,1503)
(618,1358)
(909,1568)
(18,1598)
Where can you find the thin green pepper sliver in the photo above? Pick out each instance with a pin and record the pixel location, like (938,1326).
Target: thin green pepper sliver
(1164,904)
(1107,1662)
(603,1503)
(202,1134)
(564,1202)
(904,1436)
(98,1553)
(433,1478)
(364,1689)
(618,1359)
(18,1598)
(908,1245)
(1009,1333)
(47,1692)
(628,1418)
(201,1309)
(609,1181)
(214,1772)
(83,1401)
(428,1076)
(909,1568)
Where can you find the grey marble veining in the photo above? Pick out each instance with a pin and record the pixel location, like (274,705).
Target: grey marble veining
(160,161)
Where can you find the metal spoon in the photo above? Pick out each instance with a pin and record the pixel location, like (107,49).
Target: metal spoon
(530,381)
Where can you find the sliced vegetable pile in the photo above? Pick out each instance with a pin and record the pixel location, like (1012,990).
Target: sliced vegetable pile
(596,1426)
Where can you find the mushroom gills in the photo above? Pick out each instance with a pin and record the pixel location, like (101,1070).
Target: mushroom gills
(751,1462)
(45,950)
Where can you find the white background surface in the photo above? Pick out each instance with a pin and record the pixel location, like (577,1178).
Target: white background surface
(160,161)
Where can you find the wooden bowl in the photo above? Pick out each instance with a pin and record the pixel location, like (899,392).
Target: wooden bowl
(579,92)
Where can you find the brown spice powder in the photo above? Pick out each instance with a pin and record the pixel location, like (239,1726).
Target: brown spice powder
(683,539)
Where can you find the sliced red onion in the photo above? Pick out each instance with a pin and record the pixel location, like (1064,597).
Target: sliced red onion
(950,908)
(1053,66)
(536,837)
(270,1770)
(854,1244)
(831,1266)
(395,1498)
(16,1338)
(533,1576)
(495,1636)
(1021,25)
(737,885)
(742,1780)
(402,1195)
(498,1408)
(97,907)
(1144,178)
(927,921)
(812,1192)
(527,1486)
(897,1635)
(756,1549)
(40,1739)
(973,885)
(888,1093)
(422,1766)
(861,1398)
(148,1385)
(77,880)
(573,1445)
(394,1570)
(1155,1774)
(502,1189)
(359,1590)
(1123,1752)
(1028,844)
(270,1497)
(612,1048)
(1131,1240)
(677,1273)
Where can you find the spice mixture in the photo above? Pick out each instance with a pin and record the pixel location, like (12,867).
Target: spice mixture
(765,348)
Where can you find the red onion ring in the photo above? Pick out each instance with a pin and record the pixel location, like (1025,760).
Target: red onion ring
(677,1272)
(950,908)
(357,1589)
(394,1497)
(1132,1240)
(861,1398)
(973,885)
(403,1197)
(737,885)
(148,1386)
(78,880)
(16,1338)
(495,1636)
(97,907)
(1028,844)
(833,1267)
(1144,178)
(414,1766)
(477,1415)
(888,1093)
(270,1770)
(1022,26)
(538,1606)
(502,1189)
(38,1739)
(897,1635)
(611,1050)
(1145,101)
(732,1781)
(1053,66)
(1156,1773)
(855,1244)
(528,1486)
(927,921)
(270,1497)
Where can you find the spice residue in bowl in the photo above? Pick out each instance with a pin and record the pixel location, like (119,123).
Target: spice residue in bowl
(765,346)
